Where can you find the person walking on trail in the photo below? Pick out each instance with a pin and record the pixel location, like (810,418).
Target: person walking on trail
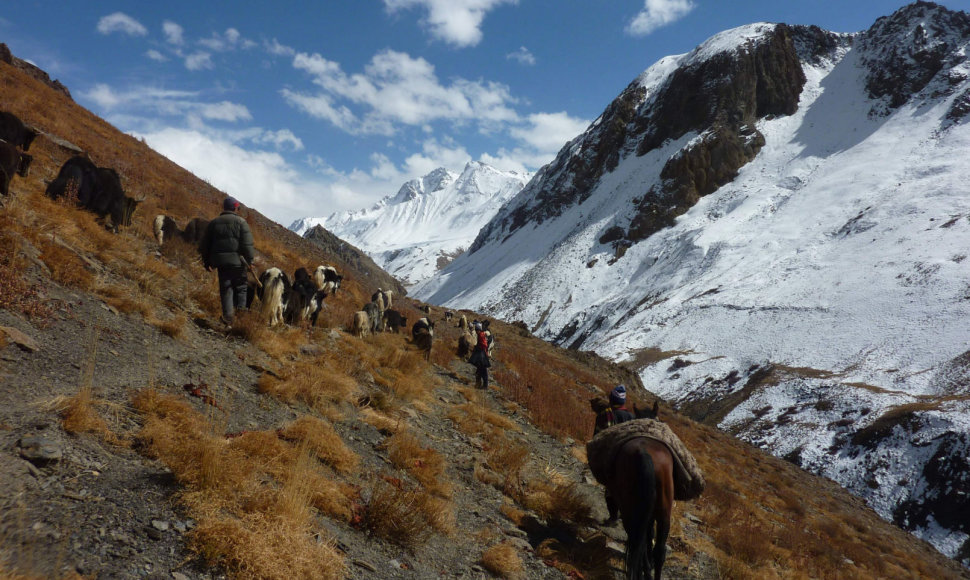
(479,357)
(614,414)
(227,246)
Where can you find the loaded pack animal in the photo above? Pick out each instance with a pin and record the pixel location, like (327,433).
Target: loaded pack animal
(360,324)
(422,335)
(374,316)
(463,324)
(166,228)
(638,461)
(97,189)
(327,279)
(378,298)
(466,342)
(305,301)
(13,131)
(393,320)
(273,290)
(12,162)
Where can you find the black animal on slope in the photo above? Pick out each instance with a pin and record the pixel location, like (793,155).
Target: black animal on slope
(12,162)
(13,131)
(305,301)
(194,230)
(98,189)
(393,320)
(166,228)
(422,335)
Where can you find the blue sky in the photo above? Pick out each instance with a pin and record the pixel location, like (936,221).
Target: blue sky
(306,108)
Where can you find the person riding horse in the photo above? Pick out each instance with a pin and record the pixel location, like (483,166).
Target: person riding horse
(613,414)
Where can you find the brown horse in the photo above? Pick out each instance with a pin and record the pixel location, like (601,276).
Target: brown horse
(642,486)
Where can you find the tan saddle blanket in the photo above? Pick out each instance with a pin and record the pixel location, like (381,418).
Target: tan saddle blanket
(602,449)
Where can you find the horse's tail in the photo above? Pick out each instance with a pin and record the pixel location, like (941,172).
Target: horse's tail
(640,528)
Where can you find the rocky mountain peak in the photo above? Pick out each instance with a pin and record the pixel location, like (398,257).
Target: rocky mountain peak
(906,50)
(718,91)
(436,180)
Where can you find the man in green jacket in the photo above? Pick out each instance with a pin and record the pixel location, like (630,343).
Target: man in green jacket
(227,246)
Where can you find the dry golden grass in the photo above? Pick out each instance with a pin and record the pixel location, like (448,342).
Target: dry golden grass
(79,415)
(425,464)
(384,423)
(313,384)
(253,496)
(558,501)
(503,561)
(550,389)
(320,437)
(406,516)
(262,545)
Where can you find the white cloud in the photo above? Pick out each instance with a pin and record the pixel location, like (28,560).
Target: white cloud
(658,13)
(155,102)
(274,47)
(396,89)
(229,40)
(434,155)
(173,33)
(279,139)
(199,61)
(156,56)
(546,133)
(121,22)
(522,56)
(225,111)
(260,179)
(456,22)
(322,107)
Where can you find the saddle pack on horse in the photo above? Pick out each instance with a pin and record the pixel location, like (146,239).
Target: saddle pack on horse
(601,451)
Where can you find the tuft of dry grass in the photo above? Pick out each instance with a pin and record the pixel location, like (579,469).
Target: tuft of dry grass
(503,560)
(261,545)
(313,384)
(425,464)
(406,516)
(320,437)
(173,327)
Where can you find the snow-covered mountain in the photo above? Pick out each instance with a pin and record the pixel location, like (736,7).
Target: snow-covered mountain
(774,229)
(428,222)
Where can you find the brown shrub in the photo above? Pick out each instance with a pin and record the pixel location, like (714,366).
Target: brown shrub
(425,464)
(263,545)
(503,560)
(405,516)
(321,438)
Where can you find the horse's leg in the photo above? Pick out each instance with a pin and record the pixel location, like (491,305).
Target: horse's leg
(635,497)
(663,510)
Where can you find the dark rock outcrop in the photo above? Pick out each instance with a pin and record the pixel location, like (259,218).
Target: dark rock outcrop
(720,98)
(903,52)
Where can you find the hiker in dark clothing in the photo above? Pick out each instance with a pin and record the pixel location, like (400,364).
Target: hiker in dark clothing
(480,358)
(614,414)
(227,246)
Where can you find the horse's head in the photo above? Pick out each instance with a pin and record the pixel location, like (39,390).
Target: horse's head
(648,413)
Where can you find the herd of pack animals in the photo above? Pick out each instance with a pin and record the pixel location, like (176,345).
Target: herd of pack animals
(642,480)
